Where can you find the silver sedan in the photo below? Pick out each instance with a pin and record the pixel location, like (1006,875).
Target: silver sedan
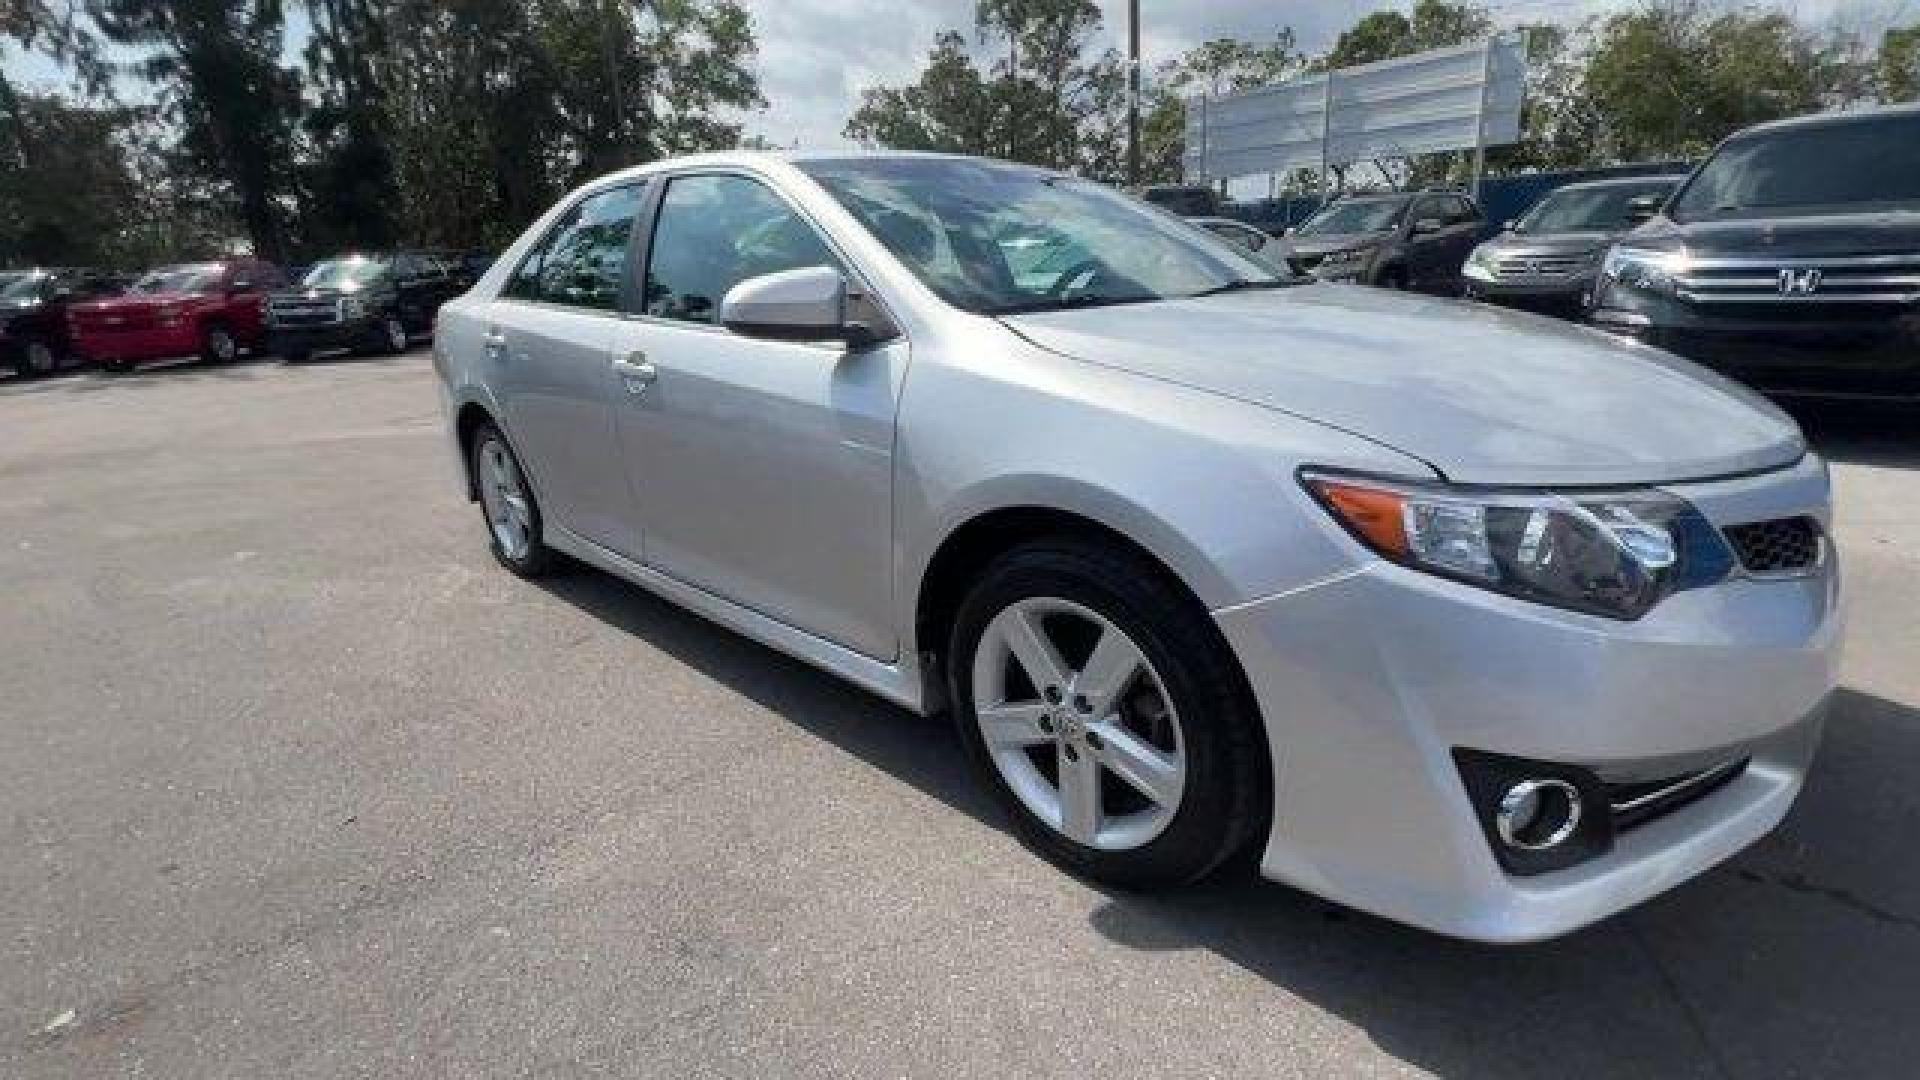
(1487,624)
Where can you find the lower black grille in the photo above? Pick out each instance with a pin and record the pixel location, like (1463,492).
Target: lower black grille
(1781,546)
(1639,803)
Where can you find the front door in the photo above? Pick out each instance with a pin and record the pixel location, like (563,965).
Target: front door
(548,346)
(763,469)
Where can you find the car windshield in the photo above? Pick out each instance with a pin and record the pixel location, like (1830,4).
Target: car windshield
(1600,209)
(1854,165)
(26,288)
(999,239)
(344,274)
(182,279)
(1355,216)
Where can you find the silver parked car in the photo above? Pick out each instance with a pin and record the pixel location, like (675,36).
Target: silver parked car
(1482,623)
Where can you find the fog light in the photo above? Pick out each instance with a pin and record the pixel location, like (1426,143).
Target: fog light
(1535,815)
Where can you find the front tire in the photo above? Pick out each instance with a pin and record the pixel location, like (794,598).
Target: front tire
(38,357)
(217,345)
(1102,707)
(508,505)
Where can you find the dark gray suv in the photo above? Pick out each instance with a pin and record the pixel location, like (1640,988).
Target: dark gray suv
(1400,240)
(1549,259)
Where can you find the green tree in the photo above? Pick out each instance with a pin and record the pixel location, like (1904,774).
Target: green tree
(1898,67)
(216,63)
(351,194)
(73,220)
(1049,97)
(1384,35)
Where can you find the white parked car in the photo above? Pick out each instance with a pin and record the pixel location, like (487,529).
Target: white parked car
(1478,622)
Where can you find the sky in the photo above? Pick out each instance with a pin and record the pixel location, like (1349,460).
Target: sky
(816,56)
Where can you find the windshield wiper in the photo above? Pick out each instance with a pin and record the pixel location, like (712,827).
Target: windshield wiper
(1243,284)
(1084,300)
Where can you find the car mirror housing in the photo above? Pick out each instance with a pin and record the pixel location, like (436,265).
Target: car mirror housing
(808,304)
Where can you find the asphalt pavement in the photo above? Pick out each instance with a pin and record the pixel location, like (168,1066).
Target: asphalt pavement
(295,782)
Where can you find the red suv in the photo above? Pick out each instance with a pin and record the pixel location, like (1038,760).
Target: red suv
(212,310)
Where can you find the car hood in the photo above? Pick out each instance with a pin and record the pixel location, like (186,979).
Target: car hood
(1575,243)
(138,301)
(1325,242)
(1484,395)
(1811,236)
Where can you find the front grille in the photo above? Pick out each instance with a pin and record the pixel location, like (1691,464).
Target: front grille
(1549,266)
(1776,548)
(305,312)
(1868,280)
(1640,802)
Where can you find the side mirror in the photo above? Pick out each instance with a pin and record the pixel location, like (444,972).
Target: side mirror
(1427,226)
(808,304)
(1643,208)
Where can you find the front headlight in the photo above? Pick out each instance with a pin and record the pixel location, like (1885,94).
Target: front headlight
(1643,268)
(1479,264)
(1615,553)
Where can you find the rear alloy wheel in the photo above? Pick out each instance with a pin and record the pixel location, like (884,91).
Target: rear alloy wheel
(512,513)
(1101,705)
(217,345)
(396,334)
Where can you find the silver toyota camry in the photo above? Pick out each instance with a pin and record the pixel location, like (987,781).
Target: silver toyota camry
(1474,620)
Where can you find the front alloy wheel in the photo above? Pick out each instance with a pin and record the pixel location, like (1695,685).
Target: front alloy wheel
(513,515)
(1099,701)
(396,334)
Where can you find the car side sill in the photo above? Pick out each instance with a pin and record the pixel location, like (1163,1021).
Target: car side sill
(900,684)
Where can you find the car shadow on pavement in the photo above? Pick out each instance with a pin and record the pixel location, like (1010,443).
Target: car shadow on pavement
(1799,957)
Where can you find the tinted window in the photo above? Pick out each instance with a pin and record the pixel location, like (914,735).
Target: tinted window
(1356,216)
(584,259)
(1857,164)
(714,232)
(1601,209)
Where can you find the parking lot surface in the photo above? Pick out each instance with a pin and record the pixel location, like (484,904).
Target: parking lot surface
(298,783)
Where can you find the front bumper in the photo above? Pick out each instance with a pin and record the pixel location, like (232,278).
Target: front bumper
(326,337)
(1552,295)
(1369,682)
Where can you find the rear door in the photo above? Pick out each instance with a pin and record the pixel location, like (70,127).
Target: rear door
(547,357)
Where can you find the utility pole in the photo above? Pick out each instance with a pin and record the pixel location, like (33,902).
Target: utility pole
(1133,91)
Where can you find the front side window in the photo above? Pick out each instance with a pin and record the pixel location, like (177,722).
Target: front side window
(584,259)
(999,239)
(1867,164)
(204,277)
(716,231)
(1356,216)
(30,287)
(1602,209)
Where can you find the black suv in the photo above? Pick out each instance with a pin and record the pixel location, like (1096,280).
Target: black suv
(364,303)
(35,336)
(1402,240)
(1790,259)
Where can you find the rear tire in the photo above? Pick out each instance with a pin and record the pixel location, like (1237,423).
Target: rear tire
(1179,763)
(508,506)
(394,335)
(38,357)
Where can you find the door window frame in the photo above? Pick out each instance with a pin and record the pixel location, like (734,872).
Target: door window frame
(642,216)
(633,299)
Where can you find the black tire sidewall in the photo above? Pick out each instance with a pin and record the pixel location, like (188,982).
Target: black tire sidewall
(1224,791)
(207,350)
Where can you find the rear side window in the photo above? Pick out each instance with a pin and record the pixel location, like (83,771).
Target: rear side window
(714,232)
(583,261)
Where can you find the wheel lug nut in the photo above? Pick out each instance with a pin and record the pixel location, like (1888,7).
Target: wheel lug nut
(1081,704)
(1093,739)
(1072,754)
(1053,695)
(1046,724)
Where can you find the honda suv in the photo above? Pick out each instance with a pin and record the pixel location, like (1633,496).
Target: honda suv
(1789,260)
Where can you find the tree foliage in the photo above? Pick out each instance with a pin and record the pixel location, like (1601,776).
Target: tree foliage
(1898,69)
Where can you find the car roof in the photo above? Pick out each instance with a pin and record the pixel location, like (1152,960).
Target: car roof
(1828,119)
(1619,181)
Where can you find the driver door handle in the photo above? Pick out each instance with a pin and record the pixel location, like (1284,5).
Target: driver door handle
(636,372)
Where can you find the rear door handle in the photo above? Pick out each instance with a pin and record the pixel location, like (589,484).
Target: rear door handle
(635,372)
